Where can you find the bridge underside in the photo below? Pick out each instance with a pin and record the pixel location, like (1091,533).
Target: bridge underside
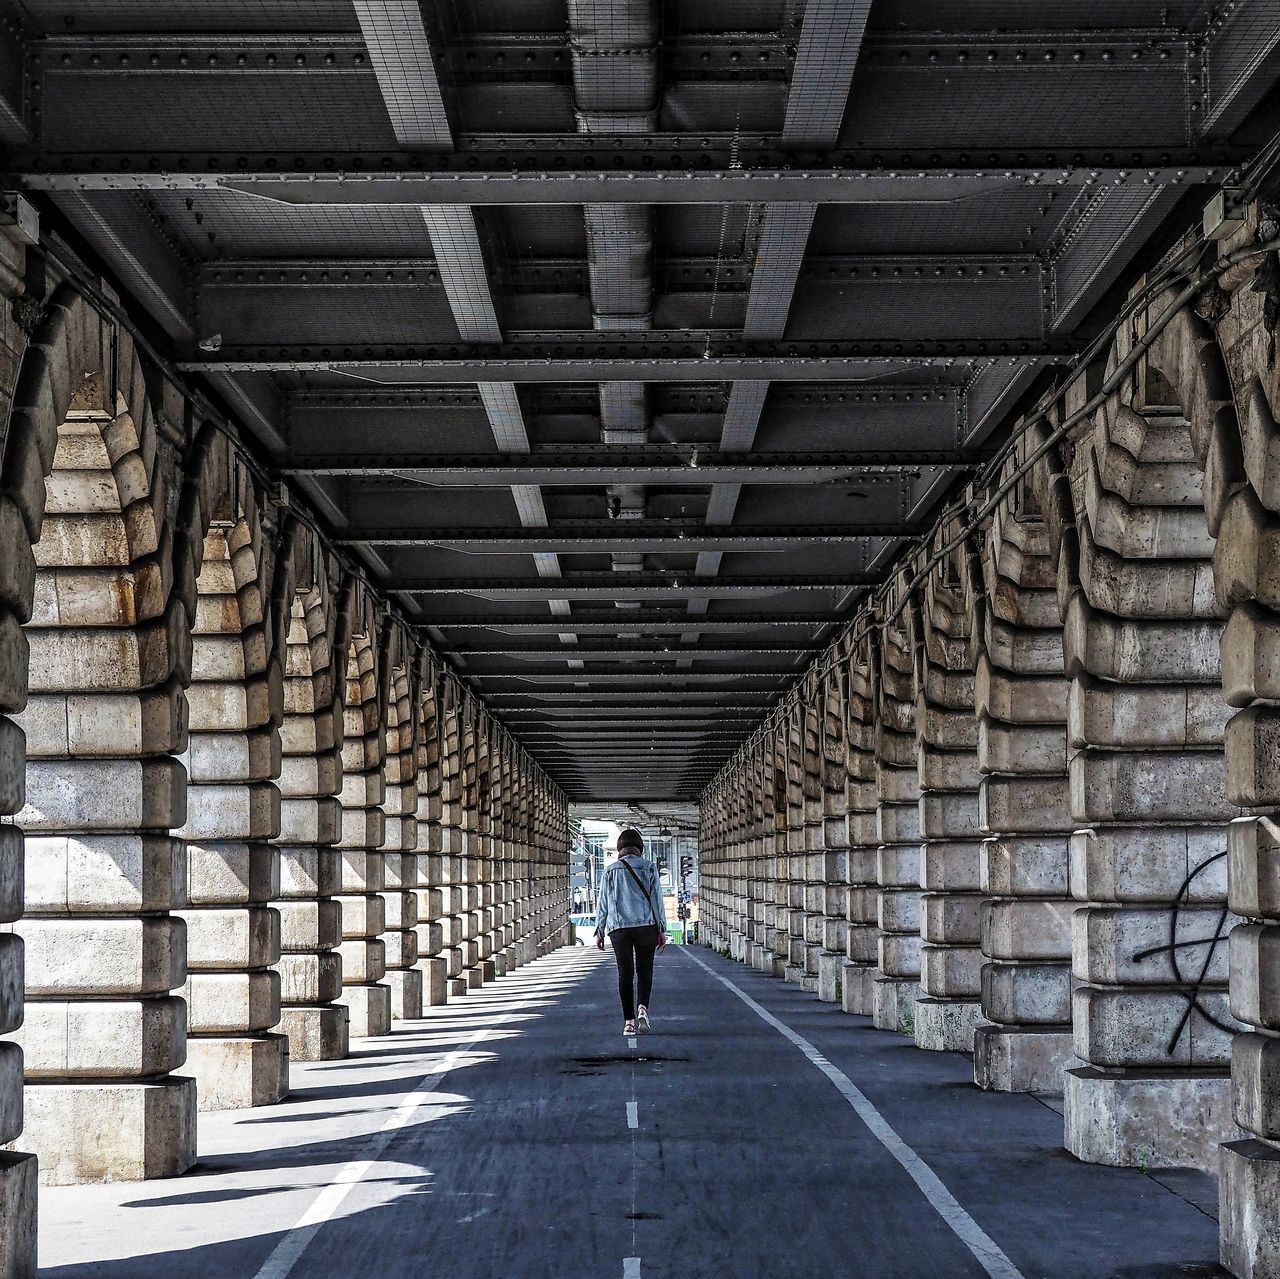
(846,428)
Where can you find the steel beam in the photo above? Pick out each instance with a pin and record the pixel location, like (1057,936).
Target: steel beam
(654,464)
(400,51)
(651,356)
(653,536)
(1241,61)
(612,622)
(826,58)
(611,586)
(622,649)
(683,170)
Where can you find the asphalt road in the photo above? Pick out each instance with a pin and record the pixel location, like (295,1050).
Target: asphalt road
(516,1134)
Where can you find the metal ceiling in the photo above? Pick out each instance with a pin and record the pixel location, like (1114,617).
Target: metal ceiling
(625,340)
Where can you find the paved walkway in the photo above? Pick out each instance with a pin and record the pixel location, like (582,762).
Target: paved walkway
(517,1135)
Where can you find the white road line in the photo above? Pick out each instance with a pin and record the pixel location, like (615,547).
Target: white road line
(943,1202)
(288,1252)
(631,1268)
(633,1114)
(631,1041)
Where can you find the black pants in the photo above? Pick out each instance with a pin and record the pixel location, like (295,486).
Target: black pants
(634,949)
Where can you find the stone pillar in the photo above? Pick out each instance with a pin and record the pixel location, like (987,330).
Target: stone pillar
(1241,440)
(310,965)
(17,578)
(947,738)
(1148,789)
(1021,699)
(432,961)
(366,996)
(897,983)
(470,861)
(792,921)
(110,652)
(235,703)
(832,866)
(451,882)
(400,843)
(862,902)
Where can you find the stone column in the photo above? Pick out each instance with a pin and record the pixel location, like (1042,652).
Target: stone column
(17,580)
(833,862)
(399,848)
(432,961)
(110,652)
(451,890)
(947,737)
(310,965)
(366,996)
(469,863)
(862,940)
(795,944)
(1021,701)
(897,983)
(233,808)
(1148,787)
(1243,505)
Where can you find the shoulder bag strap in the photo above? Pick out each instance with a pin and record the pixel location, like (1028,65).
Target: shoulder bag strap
(647,896)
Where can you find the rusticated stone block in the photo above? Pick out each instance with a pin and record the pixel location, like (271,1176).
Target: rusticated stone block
(104,795)
(117,1038)
(111,1131)
(103,874)
(1161,1119)
(1137,1027)
(106,956)
(1148,864)
(1025,866)
(1027,928)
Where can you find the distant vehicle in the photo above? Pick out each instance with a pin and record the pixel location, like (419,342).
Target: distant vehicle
(584,929)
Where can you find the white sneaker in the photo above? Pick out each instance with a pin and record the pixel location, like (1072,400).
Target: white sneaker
(642,1022)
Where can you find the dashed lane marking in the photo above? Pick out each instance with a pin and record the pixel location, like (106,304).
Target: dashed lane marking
(288,1252)
(985,1249)
(631,1268)
(633,1114)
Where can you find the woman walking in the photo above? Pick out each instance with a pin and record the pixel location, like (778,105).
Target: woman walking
(631,912)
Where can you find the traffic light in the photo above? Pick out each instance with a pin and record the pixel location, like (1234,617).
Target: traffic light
(686,866)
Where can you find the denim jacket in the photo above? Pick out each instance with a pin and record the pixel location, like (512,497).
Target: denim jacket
(621,903)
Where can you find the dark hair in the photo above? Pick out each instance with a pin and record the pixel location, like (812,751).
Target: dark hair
(631,838)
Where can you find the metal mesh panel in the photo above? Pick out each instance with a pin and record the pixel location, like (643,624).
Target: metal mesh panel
(973,105)
(191,15)
(722,108)
(1006,222)
(264,111)
(1012,15)
(245,227)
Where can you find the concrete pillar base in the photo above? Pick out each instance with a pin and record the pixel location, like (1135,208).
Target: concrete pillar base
(457,987)
(406,993)
(857,992)
(435,978)
(370,1010)
(488,971)
(793,973)
(1153,1119)
(17,1215)
(809,983)
(235,1072)
(124,1131)
(946,1025)
(894,1004)
(316,1034)
(1020,1058)
(474,978)
(1249,1209)
(830,977)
